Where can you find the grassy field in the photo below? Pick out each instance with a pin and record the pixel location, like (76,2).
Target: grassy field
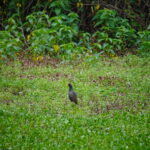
(113,111)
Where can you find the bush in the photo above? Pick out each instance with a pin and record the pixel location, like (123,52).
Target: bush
(37,20)
(9,45)
(56,31)
(115,33)
(144,43)
(49,40)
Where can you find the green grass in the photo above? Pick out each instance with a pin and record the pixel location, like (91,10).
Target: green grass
(113,111)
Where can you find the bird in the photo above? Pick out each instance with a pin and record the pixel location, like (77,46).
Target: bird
(72,95)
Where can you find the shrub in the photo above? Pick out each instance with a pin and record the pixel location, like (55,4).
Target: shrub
(14,26)
(144,43)
(37,20)
(113,30)
(9,45)
(62,30)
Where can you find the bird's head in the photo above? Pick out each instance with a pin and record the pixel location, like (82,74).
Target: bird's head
(70,85)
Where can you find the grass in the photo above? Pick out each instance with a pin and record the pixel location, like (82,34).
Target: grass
(113,111)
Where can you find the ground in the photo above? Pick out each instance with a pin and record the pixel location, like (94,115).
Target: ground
(113,110)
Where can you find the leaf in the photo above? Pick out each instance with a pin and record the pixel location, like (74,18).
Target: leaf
(57,11)
(56,47)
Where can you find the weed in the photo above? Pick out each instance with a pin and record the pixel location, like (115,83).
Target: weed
(113,109)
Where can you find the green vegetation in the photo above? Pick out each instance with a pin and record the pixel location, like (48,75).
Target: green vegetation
(101,47)
(113,111)
(71,28)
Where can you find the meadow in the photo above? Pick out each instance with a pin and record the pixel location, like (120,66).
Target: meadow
(113,112)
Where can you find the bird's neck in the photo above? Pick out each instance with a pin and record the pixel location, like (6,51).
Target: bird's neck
(70,88)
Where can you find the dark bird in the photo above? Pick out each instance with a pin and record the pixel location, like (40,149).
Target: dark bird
(72,95)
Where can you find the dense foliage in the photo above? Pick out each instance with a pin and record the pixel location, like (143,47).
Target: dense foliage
(70,28)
